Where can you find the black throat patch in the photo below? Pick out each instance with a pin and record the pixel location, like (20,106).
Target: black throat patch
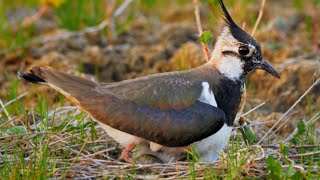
(227,93)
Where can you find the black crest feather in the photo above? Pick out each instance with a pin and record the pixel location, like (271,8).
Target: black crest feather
(227,18)
(235,30)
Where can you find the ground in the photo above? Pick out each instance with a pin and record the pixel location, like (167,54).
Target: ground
(43,135)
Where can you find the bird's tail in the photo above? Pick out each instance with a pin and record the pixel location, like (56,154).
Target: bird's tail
(73,87)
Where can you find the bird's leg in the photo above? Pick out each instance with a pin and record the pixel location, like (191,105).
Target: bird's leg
(126,154)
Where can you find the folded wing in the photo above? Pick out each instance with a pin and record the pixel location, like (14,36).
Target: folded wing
(164,110)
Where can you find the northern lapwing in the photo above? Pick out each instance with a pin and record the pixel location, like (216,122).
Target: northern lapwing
(164,114)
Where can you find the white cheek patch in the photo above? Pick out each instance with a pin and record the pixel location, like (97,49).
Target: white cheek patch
(231,67)
(207,95)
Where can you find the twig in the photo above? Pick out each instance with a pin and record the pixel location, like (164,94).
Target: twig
(304,154)
(269,133)
(12,101)
(4,109)
(244,99)
(25,134)
(253,109)
(62,110)
(259,17)
(240,114)
(290,147)
(243,25)
(293,61)
(9,121)
(315,27)
(243,104)
(110,6)
(117,13)
(295,166)
(166,166)
(35,17)
(255,124)
(197,16)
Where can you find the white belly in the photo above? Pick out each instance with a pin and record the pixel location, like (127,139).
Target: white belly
(122,138)
(210,147)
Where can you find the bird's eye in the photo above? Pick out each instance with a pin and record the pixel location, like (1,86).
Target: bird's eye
(243,50)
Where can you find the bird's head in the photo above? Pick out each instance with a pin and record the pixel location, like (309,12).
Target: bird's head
(236,53)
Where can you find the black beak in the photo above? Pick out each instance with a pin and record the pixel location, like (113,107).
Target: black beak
(267,67)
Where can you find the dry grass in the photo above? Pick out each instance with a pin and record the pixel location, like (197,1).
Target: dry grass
(66,143)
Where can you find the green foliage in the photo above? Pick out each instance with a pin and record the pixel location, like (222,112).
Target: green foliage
(15,130)
(274,169)
(309,23)
(283,149)
(12,93)
(14,39)
(148,3)
(210,1)
(301,127)
(298,4)
(193,155)
(299,136)
(248,135)
(286,150)
(236,157)
(75,15)
(18,3)
(40,165)
(298,175)
(206,37)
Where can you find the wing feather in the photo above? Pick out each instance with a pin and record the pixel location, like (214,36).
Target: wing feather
(175,90)
(171,128)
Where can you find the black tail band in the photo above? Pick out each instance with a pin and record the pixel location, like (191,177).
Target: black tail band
(31,78)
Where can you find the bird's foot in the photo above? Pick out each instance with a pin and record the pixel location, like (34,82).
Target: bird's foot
(126,154)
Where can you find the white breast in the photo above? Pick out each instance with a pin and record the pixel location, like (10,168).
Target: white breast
(210,147)
(207,95)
